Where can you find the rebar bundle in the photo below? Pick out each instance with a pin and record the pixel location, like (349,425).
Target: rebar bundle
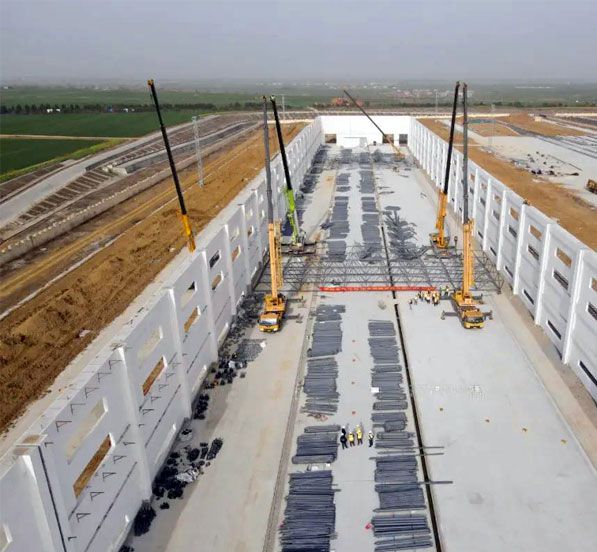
(318,445)
(310,515)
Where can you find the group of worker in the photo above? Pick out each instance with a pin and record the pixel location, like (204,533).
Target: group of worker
(350,438)
(431,297)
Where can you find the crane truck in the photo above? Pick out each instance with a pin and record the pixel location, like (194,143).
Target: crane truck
(466,306)
(439,238)
(274,305)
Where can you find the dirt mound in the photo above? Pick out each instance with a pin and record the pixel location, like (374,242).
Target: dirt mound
(40,338)
(576,216)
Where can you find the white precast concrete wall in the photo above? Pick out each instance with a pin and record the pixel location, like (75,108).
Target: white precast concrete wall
(137,391)
(354,131)
(553,273)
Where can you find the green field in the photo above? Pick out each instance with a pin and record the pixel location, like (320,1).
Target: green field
(18,153)
(131,97)
(90,124)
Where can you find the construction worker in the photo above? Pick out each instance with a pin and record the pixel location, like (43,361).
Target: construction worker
(343,440)
(351,438)
(370,435)
(359,433)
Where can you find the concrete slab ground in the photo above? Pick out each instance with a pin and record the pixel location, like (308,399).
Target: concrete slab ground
(521,480)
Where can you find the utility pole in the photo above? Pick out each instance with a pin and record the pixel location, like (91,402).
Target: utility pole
(200,178)
(183,210)
(492,127)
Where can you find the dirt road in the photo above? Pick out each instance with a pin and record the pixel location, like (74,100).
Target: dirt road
(40,338)
(576,216)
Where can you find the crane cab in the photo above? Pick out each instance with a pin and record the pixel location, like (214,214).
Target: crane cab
(274,310)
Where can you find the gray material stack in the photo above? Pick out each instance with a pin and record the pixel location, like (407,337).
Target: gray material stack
(310,515)
(396,468)
(322,369)
(317,445)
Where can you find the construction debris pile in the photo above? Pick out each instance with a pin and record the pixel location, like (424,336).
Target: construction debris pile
(322,369)
(396,480)
(310,515)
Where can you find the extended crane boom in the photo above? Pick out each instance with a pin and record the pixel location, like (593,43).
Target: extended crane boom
(183,210)
(464,302)
(385,137)
(274,306)
(288,192)
(439,239)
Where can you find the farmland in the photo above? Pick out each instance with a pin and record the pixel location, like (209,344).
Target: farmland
(18,153)
(122,125)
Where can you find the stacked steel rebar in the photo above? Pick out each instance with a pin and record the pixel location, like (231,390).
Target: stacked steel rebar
(396,479)
(322,369)
(310,515)
(317,445)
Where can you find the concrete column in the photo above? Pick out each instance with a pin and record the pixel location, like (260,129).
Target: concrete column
(228,262)
(137,446)
(519,243)
(488,196)
(502,224)
(574,296)
(181,366)
(542,272)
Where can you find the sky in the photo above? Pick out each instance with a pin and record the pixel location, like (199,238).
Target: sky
(281,40)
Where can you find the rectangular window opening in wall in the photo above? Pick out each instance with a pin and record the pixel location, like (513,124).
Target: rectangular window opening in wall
(250,231)
(216,281)
(527,295)
(586,370)
(235,253)
(533,252)
(214,259)
(149,345)
(563,257)
(512,232)
(507,268)
(484,185)
(331,139)
(88,424)
(153,375)
(554,329)
(388,139)
(592,310)
(493,251)
(497,198)
(514,213)
(193,317)
(535,232)
(482,201)
(403,139)
(560,279)
(235,233)
(495,214)
(480,234)
(5,538)
(188,294)
(92,466)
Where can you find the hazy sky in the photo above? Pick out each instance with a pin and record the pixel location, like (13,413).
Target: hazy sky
(298,39)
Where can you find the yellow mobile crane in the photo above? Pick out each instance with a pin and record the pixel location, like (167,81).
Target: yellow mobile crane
(439,238)
(274,306)
(465,304)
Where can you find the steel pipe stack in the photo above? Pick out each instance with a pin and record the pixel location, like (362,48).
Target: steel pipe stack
(322,369)
(310,515)
(317,445)
(396,471)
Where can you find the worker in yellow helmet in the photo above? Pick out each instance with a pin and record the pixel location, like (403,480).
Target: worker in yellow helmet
(359,433)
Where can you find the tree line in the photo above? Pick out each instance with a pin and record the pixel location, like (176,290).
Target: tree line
(47,108)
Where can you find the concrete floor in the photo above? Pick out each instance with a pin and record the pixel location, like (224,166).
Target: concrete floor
(521,481)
